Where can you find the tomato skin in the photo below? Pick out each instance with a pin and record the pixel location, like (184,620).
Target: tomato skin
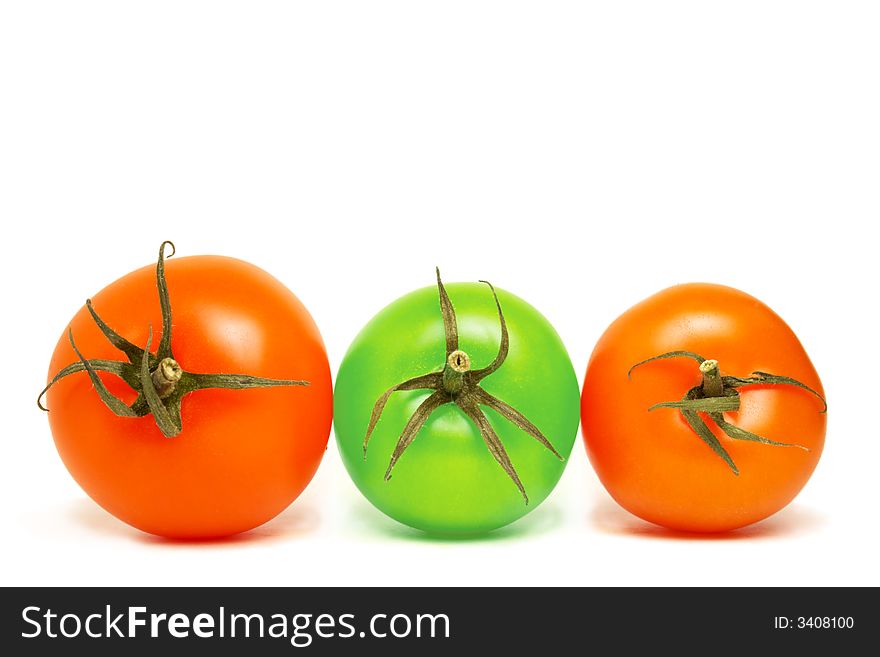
(243,455)
(447,481)
(652,463)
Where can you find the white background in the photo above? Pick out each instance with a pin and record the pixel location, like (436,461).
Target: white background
(582,155)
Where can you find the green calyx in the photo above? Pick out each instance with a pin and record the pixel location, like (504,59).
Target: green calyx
(718,394)
(458,384)
(158,379)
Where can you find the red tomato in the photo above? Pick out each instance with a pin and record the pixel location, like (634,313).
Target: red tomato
(242,456)
(653,462)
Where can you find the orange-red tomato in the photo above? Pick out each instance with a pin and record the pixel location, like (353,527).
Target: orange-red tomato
(653,463)
(243,455)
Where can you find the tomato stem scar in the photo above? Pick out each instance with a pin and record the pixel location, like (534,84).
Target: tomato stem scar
(158,379)
(459,384)
(717,395)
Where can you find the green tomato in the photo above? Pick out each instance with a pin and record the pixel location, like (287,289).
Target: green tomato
(449,477)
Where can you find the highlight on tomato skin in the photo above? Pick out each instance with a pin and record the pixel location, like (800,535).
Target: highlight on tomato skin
(456,408)
(191,398)
(701,410)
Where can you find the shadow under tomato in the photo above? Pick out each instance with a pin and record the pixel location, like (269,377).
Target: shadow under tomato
(296,520)
(369,521)
(610,518)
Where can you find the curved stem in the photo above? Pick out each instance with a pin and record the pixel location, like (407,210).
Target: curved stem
(450,325)
(164,350)
(503,347)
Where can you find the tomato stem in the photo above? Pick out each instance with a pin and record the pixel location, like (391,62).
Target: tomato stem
(457,364)
(158,379)
(166,376)
(713,386)
(718,394)
(458,384)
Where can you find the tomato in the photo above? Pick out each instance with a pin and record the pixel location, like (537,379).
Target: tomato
(480,437)
(233,458)
(755,454)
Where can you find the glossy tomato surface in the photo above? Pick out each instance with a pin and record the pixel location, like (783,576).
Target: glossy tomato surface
(447,481)
(652,463)
(243,455)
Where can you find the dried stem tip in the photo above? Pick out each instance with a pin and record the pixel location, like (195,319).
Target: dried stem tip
(712,383)
(459,361)
(708,366)
(166,376)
